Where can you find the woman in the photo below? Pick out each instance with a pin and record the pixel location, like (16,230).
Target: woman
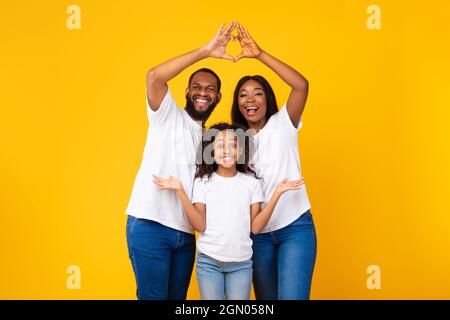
(284,252)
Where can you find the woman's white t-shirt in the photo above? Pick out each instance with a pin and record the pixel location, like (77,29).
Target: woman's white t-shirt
(228,222)
(275,157)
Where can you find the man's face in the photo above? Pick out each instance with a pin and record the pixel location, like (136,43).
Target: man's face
(202,96)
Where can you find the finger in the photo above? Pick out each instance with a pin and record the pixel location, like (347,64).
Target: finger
(298,184)
(246,33)
(239,57)
(163,181)
(163,187)
(229,29)
(220,29)
(156,178)
(228,57)
(240,31)
(158,184)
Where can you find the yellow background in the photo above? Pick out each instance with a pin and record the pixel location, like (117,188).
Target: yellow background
(374,146)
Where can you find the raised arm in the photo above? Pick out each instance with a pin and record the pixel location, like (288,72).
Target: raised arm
(158,76)
(196,213)
(298,83)
(261,217)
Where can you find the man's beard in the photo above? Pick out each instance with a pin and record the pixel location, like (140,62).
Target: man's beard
(199,115)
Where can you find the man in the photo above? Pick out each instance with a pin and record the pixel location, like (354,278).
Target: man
(161,242)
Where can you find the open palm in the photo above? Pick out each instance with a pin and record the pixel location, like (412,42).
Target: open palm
(285,185)
(217,46)
(250,48)
(172,183)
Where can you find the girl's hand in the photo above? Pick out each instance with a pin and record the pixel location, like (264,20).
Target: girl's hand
(249,47)
(167,184)
(285,185)
(216,48)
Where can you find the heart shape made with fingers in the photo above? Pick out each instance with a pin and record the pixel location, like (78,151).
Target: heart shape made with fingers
(221,43)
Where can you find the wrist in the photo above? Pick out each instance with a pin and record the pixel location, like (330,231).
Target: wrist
(203,52)
(277,194)
(258,56)
(179,190)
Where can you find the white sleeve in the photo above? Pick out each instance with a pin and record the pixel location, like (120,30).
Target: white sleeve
(166,111)
(257,191)
(286,120)
(198,191)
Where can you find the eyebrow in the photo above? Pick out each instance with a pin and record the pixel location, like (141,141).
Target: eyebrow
(234,138)
(258,88)
(199,84)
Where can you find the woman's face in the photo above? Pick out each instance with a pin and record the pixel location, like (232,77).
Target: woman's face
(252,102)
(226,151)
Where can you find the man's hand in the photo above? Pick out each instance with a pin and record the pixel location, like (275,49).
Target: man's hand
(249,47)
(216,48)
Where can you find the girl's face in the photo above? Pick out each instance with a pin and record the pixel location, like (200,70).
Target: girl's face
(252,102)
(226,149)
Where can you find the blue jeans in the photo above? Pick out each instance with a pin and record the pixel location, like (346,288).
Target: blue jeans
(218,279)
(162,259)
(283,261)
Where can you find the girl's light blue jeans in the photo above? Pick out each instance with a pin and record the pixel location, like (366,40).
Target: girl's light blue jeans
(223,280)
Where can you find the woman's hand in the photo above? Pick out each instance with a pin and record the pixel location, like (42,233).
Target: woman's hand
(216,48)
(167,184)
(285,185)
(249,47)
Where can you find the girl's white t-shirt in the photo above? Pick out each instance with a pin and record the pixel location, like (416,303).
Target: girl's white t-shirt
(228,222)
(275,157)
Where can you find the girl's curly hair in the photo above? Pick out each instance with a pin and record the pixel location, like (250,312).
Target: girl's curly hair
(205,155)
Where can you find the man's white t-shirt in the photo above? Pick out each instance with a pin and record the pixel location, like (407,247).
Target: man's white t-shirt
(275,157)
(228,222)
(170,150)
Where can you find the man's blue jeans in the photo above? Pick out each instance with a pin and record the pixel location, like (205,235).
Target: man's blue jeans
(283,261)
(162,259)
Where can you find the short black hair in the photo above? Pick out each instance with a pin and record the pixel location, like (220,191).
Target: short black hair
(219,83)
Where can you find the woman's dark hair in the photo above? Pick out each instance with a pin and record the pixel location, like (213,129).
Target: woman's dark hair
(206,166)
(272,107)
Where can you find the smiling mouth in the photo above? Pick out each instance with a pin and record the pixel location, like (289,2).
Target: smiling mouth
(251,110)
(202,101)
(227,159)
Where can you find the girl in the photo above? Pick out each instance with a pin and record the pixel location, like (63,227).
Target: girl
(225,208)
(289,239)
